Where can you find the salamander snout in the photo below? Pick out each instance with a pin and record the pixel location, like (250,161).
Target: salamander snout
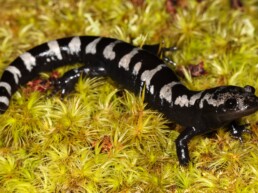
(249,89)
(251,99)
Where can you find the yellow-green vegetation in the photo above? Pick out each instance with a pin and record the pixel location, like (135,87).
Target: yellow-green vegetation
(104,139)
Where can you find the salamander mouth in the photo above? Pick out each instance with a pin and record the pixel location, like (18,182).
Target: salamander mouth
(233,115)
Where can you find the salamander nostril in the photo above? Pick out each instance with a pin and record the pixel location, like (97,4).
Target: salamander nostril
(249,89)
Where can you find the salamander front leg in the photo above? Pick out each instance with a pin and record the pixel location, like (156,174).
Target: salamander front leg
(66,83)
(181,144)
(237,130)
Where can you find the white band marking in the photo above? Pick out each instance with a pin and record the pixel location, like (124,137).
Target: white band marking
(147,75)
(166,91)
(108,51)
(54,49)
(126,59)
(4,100)
(184,101)
(28,60)
(91,47)
(137,68)
(195,97)
(16,73)
(7,87)
(74,45)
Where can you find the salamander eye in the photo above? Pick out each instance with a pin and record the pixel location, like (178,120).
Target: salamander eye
(231,103)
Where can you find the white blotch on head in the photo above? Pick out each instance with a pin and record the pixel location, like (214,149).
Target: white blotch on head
(211,101)
(16,73)
(137,68)
(28,60)
(206,97)
(109,52)
(166,91)
(147,75)
(221,99)
(126,59)
(91,47)
(74,45)
(241,104)
(7,87)
(4,100)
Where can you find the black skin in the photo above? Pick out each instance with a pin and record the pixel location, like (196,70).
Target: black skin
(66,84)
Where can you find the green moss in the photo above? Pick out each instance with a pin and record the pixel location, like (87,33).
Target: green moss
(101,139)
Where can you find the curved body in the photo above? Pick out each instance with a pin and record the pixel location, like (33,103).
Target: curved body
(135,69)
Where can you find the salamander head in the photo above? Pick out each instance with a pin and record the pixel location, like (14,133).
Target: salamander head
(228,103)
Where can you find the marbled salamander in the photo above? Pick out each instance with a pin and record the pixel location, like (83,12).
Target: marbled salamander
(135,69)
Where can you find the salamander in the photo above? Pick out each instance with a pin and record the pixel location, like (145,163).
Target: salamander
(136,69)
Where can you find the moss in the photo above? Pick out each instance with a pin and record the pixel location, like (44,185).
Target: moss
(101,139)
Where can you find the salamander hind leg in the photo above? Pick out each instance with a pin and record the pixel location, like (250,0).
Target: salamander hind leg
(160,51)
(154,48)
(66,83)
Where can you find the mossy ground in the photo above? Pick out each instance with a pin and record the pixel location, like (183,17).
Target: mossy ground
(101,139)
